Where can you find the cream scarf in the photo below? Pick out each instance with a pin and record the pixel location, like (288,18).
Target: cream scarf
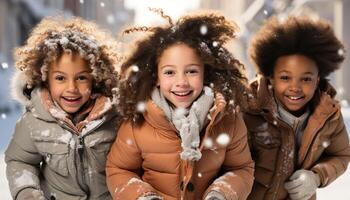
(189,122)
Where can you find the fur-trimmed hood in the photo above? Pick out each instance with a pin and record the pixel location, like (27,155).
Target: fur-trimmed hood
(19,90)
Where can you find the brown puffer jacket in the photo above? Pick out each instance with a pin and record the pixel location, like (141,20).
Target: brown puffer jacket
(324,148)
(146,159)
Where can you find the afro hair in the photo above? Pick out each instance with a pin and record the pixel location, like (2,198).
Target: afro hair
(314,39)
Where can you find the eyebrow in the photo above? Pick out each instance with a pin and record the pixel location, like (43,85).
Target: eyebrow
(85,71)
(288,72)
(171,65)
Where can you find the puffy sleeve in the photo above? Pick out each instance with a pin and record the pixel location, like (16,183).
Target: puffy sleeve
(124,167)
(22,163)
(237,181)
(336,157)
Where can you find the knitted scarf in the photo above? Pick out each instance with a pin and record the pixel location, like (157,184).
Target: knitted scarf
(189,122)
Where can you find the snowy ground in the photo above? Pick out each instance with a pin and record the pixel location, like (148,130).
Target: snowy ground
(338,190)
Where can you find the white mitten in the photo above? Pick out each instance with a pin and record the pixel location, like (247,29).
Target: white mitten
(302,184)
(214,195)
(150,196)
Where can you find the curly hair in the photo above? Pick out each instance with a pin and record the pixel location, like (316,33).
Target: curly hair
(206,33)
(297,35)
(54,36)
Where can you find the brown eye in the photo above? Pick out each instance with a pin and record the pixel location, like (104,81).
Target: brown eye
(59,78)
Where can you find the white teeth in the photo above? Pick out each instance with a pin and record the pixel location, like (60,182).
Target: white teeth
(71,98)
(295,98)
(181,93)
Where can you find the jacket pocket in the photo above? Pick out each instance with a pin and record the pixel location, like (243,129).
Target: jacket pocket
(55,155)
(99,149)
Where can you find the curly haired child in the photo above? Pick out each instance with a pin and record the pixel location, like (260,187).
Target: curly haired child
(64,79)
(297,135)
(183,137)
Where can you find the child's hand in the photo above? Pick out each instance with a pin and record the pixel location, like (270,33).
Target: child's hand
(302,184)
(214,195)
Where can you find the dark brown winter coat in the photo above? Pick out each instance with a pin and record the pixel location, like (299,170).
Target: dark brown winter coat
(324,148)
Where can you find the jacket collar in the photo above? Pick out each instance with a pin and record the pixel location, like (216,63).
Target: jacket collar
(44,108)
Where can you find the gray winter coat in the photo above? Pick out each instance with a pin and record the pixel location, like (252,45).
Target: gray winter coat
(47,159)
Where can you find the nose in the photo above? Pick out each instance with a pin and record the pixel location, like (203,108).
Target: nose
(182,80)
(295,86)
(72,86)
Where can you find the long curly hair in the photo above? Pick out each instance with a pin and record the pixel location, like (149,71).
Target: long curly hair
(54,36)
(314,39)
(206,33)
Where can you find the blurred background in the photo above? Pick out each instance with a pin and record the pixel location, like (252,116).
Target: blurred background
(17,18)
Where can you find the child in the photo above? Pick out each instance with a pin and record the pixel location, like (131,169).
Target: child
(297,136)
(187,144)
(60,144)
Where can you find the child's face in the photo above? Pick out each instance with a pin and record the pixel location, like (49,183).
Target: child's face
(295,79)
(70,82)
(180,75)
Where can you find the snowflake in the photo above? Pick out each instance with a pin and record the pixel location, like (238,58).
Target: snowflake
(135,68)
(223,139)
(4,65)
(200,175)
(326,143)
(203,29)
(265,12)
(341,52)
(3,115)
(102,4)
(141,107)
(215,44)
(208,143)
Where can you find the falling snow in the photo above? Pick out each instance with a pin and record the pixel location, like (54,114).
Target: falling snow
(4,65)
(203,29)
(3,116)
(141,107)
(200,175)
(135,68)
(102,4)
(326,143)
(215,44)
(223,139)
(341,52)
(208,143)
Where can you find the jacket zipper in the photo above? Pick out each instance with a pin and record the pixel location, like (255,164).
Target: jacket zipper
(80,149)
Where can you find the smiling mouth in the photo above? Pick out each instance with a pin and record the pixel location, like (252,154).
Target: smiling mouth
(182,94)
(295,98)
(71,99)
